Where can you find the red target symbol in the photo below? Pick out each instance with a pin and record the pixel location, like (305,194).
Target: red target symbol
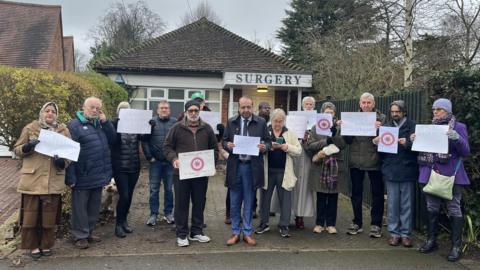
(323,124)
(197,164)
(387,138)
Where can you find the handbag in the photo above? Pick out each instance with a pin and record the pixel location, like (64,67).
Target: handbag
(441,185)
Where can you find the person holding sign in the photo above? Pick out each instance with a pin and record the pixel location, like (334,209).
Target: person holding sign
(279,173)
(245,173)
(400,172)
(327,169)
(92,171)
(450,164)
(365,159)
(41,184)
(126,169)
(189,135)
(303,199)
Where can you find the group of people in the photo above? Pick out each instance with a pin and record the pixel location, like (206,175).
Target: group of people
(296,177)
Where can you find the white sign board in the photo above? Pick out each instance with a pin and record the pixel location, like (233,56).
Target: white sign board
(297,124)
(246,145)
(52,143)
(388,142)
(431,138)
(211,118)
(134,121)
(324,123)
(196,164)
(310,115)
(358,123)
(269,79)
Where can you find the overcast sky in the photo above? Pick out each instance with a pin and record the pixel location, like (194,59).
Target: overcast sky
(250,19)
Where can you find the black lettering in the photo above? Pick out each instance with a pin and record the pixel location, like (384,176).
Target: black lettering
(297,79)
(248,78)
(278,79)
(238,78)
(288,79)
(268,79)
(258,79)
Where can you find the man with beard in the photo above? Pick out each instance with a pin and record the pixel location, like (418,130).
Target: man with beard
(188,135)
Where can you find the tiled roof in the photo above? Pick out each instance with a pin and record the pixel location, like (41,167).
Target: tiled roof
(68,53)
(202,46)
(27,34)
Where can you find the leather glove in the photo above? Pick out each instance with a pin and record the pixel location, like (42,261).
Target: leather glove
(28,147)
(453,135)
(220,128)
(59,162)
(152,122)
(333,129)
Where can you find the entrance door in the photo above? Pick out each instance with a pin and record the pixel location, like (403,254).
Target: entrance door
(260,97)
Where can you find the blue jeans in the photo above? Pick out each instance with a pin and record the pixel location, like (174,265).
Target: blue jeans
(400,208)
(161,171)
(242,191)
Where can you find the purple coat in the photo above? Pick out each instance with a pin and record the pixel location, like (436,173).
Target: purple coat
(458,149)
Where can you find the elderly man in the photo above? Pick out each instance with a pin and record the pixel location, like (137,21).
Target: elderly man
(92,171)
(245,174)
(364,158)
(400,172)
(191,134)
(160,168)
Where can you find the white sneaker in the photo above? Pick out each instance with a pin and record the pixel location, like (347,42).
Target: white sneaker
(182,242)
(331,230)
(200,238)
(318,229)
(169,219)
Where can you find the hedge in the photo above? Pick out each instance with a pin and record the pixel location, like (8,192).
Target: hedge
(23,91)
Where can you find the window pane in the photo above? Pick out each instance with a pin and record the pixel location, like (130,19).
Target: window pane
(176,108)
(138,104)
(176,94)
(215,107)
(139,93)
(153,106)
(212,95)
(157,93)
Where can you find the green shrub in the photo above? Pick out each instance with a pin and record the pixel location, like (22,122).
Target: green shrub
(23,91)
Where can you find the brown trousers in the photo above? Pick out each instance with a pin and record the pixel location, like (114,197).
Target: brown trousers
(39,215)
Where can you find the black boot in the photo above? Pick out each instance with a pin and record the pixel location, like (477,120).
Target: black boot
(119,232)
(457,228)
(126,228)
(432,229)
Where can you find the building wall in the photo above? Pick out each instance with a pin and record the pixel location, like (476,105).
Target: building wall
(56,55)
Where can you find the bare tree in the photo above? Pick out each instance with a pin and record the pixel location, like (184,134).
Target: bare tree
(463,23)
(203,10)
(80,61)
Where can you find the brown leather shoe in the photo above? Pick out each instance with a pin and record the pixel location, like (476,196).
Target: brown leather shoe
(81,244)
(407,242)
(94,239)
(394,241)
(249,240)
(233,240)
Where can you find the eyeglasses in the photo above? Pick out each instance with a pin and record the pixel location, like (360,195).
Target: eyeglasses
(193,111)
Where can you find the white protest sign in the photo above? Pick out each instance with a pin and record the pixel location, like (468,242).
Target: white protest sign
(245,145)
(358,123)
(211,118)
(52,143)
(324,124)
(388,140)
(431,138)
(310,115)
(297,124)
(196,164)
(134,121)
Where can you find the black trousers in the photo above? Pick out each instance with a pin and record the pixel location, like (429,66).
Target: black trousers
(125,185)
(327,209)
(227,204)
(194,189)
(377,188)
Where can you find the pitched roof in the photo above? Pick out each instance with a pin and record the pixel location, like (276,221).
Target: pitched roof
(27,34)
(201,46)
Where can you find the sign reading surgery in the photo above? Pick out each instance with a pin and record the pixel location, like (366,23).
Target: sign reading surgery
(271,79)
